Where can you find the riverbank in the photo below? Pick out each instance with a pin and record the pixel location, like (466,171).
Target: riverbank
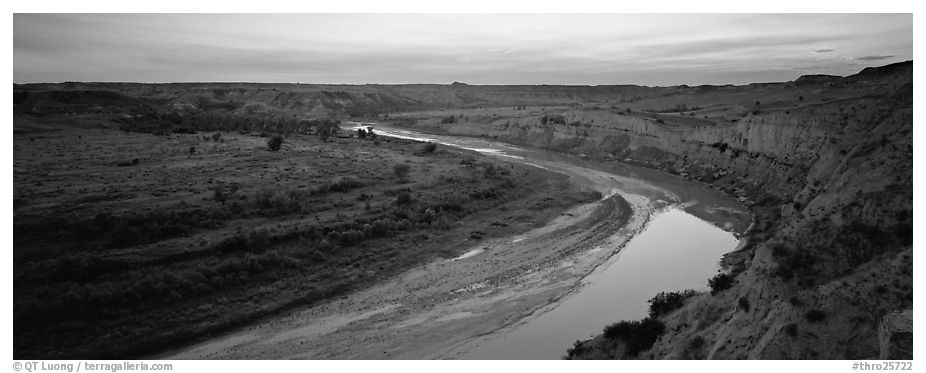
(431,311)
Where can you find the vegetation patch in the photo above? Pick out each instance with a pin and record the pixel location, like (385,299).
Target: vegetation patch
(722,281)
(666,302)
(638,336)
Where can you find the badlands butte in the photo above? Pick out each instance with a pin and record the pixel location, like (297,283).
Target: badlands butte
(823,163)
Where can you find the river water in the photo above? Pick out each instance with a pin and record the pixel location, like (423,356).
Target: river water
(679,248)
(676,251)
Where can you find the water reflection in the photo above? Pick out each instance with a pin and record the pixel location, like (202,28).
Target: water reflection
(676,251)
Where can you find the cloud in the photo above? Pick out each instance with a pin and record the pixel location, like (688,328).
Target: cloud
(646,49)
(874,58)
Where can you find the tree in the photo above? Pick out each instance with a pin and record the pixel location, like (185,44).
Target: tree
(275,143)
(361,133)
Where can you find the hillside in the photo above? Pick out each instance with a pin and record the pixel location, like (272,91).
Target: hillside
(826,165)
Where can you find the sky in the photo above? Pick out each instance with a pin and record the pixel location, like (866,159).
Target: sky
(580,49)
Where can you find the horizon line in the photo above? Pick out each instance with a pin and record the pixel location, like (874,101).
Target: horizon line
(463,83)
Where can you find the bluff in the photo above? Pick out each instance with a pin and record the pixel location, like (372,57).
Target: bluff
(829,177)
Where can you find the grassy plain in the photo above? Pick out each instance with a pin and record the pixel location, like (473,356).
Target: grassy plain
(129,243)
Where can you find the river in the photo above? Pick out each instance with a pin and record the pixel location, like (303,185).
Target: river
(679,248)
(528,296)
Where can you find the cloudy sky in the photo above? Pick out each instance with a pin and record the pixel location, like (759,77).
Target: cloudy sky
(595,49)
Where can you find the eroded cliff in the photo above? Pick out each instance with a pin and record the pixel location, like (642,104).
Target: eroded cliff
(830,181)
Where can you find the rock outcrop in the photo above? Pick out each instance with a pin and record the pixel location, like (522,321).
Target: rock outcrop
(896,336)
(824,280)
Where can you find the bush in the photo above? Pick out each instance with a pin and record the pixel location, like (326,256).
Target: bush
(743,304)
(638,335)
(403,199)
(553,119)
(275,143)
(450,119)
(490,171)
(791,329)
(326,129)
(696,343)
(794,263)
(719,283)
(429,147)
(401,170)
(663,303)
(815,315)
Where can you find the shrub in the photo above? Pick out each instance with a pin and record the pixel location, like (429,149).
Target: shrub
(743,304)
(815,315)
(275,143)
(326,129)
(490,171)
(403,199)
(218,194)
(791,329)
(344,184)
(720,283)
(663,303)
(577,349)
(638,335)
(450,119)
(401,170)
(696,343)
(794,263)
(429,147)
